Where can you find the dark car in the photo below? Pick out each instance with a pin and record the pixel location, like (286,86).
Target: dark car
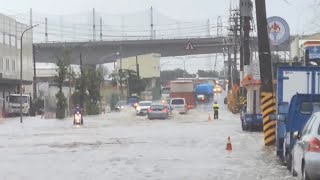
(158,111)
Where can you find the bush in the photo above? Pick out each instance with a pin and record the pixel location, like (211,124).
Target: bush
(114,100)
(61,105)
(92,108)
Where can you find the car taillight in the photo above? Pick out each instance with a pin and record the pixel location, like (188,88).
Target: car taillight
(165,110)
(149,110)
(314,145)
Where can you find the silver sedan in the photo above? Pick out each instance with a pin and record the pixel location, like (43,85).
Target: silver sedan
(158,111)
(306,151)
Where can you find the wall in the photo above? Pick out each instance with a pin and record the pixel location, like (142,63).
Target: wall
(149,65)
(10,35)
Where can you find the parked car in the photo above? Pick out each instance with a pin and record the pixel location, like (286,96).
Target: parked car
(143,107)
(306,151)
(158,111)
(179,104)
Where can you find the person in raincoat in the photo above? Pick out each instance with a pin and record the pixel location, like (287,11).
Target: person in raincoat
(216,110)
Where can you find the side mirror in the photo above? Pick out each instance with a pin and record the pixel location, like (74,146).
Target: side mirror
(296,135)
(281,117)
(272,117)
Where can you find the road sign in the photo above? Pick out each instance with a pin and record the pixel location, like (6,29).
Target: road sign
(189,46)
(314,52)
(278,29)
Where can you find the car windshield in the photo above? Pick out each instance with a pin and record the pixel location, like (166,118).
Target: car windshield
(145,104)
(177,101)
(157,107)
(16,99)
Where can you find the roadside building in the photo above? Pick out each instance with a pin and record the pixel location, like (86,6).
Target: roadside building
(10,35)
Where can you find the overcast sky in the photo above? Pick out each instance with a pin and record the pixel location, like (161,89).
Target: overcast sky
(300,14)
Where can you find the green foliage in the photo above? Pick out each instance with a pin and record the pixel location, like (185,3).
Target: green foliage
(114,100)
(61,105)
(92,108)
(94,78)
(62,64)
(214,74)
(129,77)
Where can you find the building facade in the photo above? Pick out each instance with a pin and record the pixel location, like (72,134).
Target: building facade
(10,48)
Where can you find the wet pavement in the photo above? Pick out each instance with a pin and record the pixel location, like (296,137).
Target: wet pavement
(121,146)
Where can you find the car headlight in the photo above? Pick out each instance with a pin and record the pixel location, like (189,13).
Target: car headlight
(138,108)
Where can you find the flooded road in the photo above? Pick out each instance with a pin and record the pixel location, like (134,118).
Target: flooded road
(121,146)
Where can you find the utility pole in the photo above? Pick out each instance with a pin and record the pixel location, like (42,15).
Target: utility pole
(120,72)
(246,16)
(46,29)
(151,23)
(94,24)
(235,49)
(267,97)
(208,28)
(100,28)
(137,67)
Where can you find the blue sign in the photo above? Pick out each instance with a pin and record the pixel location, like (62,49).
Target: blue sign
(314,52)
(278,29)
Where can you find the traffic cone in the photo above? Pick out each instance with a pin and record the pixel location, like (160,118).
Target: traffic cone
(229,145)
(209,118)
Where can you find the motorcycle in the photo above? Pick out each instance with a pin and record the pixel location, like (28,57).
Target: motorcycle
(77,120)
(118,108)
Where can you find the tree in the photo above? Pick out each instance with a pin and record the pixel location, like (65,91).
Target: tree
(214,74)
(62,70)
(125,76)
(94,78)
(169,75)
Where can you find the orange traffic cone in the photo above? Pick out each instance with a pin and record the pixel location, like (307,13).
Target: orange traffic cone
(209,118)
(229,145)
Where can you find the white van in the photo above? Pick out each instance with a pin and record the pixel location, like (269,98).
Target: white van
(179,104)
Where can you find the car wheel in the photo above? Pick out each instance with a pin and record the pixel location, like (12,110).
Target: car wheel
(293,171)
(304,173)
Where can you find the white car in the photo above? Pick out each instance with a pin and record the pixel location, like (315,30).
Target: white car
(179,104)
(143,107)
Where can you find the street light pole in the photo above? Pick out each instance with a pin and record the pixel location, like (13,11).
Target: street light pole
(21,69)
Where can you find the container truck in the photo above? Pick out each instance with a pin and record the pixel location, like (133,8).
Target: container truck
(298,96)
(204,93)
(183,89)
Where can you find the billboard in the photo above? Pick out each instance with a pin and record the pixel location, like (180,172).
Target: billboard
(278,30)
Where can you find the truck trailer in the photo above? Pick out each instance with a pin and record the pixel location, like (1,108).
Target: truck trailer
(298,96)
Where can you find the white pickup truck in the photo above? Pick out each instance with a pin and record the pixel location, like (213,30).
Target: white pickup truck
(12,104)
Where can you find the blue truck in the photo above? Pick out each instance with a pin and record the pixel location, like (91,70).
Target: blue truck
(204,93)
(298,96)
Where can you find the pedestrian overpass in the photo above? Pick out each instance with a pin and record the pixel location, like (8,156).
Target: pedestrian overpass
(100,52)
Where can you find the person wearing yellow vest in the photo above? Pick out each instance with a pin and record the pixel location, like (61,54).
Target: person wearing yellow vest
(216,110)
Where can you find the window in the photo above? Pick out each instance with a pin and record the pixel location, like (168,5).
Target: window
(309,107)
(6,39)
(7,64)
(145,104)
(177,101)
(1,38)
(13,41)
(157,107)
(1,63)
(13,65)
(307,125)
(18,43)
(306,108)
